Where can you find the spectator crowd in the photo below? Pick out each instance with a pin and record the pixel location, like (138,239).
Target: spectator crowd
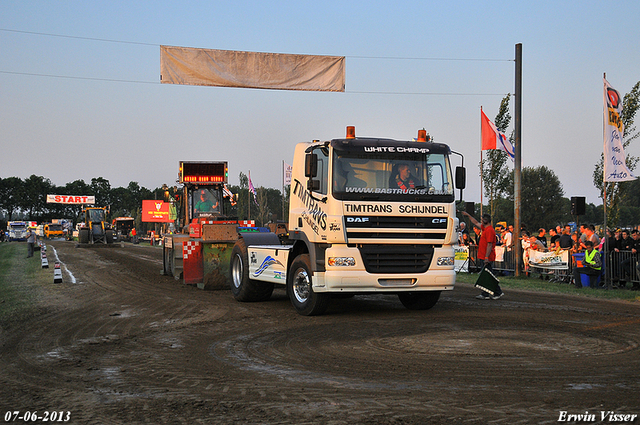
(622,258)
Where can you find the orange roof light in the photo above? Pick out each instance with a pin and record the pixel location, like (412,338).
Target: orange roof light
(351,132)
(422,135)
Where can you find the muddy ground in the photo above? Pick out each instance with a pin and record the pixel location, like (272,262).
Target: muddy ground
(126,345)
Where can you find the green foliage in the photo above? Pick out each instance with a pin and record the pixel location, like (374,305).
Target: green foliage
(10,193)
(542,202)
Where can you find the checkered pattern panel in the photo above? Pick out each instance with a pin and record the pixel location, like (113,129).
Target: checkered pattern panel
(188,247)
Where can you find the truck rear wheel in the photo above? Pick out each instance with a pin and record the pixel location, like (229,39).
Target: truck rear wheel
(109,236)
(419,300)
(300,289)
(243,288)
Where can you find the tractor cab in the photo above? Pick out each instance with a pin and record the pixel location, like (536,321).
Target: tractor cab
(95,229)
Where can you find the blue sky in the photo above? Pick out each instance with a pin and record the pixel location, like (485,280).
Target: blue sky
(112,118)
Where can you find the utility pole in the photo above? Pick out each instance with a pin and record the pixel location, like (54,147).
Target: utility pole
(517,169)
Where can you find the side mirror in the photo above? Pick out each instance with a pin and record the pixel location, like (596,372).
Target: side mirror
(311,165)
(461,177)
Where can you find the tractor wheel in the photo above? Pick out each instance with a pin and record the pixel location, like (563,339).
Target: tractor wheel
(83,236)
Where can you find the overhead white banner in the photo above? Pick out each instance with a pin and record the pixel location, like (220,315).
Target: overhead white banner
(228,68)
(70,199)
(615,166)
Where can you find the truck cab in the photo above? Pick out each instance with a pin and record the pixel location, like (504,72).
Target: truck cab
(367,215)
(17,230)
(53,230)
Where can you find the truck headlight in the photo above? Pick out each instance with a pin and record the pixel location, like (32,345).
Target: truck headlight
(341,261)
(445,261)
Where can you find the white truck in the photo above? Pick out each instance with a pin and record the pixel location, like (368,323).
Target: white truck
(17,230)
(366,215)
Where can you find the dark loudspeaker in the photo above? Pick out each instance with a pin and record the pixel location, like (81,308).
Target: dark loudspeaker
(578,205)
(470,208)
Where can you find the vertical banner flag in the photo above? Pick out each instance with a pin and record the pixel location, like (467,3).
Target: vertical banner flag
(252,189)
(615,165)
(287,174)
(492,138)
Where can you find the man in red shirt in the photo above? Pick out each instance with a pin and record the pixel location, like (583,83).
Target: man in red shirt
(486,250)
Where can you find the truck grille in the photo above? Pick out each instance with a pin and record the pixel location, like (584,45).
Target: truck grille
(396,258)
(418,229)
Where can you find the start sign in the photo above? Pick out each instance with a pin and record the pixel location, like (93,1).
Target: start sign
(70,199)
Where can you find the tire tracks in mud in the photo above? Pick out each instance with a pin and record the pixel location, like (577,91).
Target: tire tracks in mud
(129,345)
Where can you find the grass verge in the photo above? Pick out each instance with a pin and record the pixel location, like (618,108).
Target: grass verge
(21,280)
(534,283)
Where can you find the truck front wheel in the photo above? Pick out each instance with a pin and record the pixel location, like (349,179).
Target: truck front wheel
(243,288)
(300,289)
(419,300)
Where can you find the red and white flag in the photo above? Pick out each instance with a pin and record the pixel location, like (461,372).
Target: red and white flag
(492,138)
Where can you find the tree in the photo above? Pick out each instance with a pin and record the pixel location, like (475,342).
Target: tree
(541,193)
(10,193)
(617,193)
(101,189)
(495,172)
(244,180)
(33,199)
(77,187)
(263,210)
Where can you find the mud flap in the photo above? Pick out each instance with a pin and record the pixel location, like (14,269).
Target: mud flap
(193,270)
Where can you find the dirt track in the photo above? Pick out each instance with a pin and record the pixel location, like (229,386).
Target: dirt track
(125,345)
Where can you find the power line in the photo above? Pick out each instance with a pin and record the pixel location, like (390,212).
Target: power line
(430,59)
(78,38)
(114,80)
(425,93)
(158,82)
(79,78)
(106,40)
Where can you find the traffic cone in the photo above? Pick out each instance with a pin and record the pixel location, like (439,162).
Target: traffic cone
(43,259)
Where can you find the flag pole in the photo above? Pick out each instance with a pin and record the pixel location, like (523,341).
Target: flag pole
(481,164)
(283,189)
(604,184)
(249,199)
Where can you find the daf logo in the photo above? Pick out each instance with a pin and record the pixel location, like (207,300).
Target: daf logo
(357,219)
(439,220)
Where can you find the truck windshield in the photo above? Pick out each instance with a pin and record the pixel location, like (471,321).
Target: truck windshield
(403,177)
(96,216)
(205,202)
